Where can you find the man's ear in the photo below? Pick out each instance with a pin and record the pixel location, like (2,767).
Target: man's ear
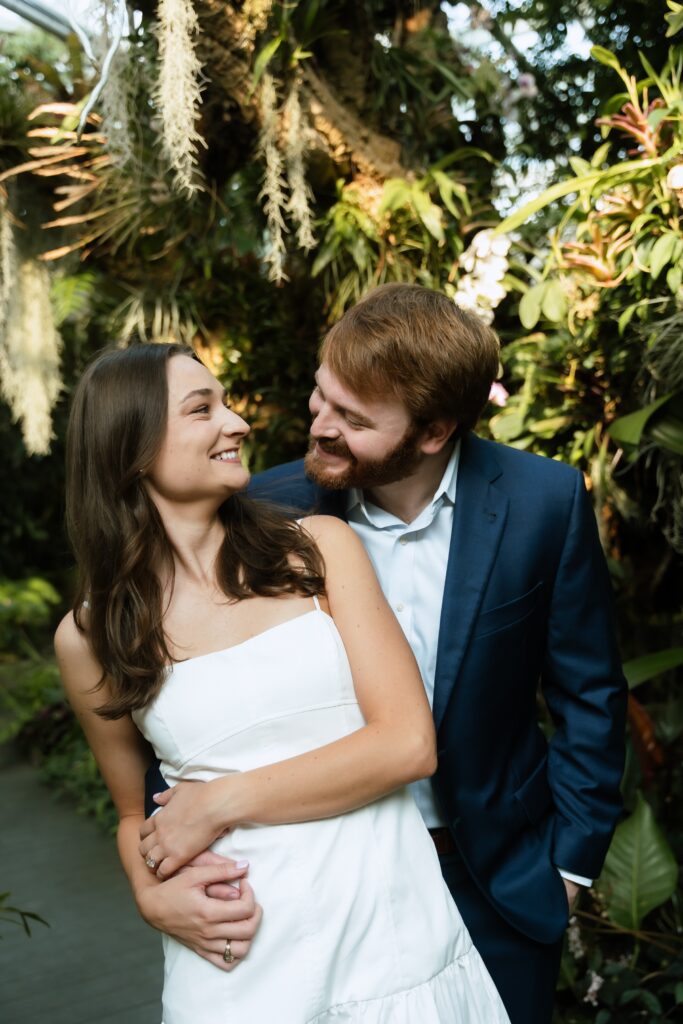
(438,434)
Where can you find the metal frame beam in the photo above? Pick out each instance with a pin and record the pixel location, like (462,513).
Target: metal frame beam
(38,14)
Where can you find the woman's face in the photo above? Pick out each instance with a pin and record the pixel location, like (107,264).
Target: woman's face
(199,457)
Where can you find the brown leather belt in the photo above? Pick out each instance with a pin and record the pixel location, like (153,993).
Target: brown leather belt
(443,841)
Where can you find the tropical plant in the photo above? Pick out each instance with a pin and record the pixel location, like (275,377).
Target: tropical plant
(604,308)
(347,144)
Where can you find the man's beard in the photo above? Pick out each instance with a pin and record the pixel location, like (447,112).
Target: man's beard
(365,474)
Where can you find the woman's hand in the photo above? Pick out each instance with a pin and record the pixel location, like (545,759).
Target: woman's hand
(187,824)
(202,908)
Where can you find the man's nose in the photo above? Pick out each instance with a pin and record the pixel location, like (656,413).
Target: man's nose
(324,423)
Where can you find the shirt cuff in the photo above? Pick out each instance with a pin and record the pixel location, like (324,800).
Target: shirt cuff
(579,879)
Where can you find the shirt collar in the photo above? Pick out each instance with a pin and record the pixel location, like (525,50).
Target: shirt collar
(445,490)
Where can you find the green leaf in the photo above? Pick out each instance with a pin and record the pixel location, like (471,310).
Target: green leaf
(557,191)
(301,54)
(396,192)
(667,432)
(674,19)
(606,57)
(507,425)
(530,305)
(554,302)
(650,71)
(656,116)
(629,169)
(640,871)
(629,429)
(264,58)
(600,155)
(429,214)
(678,993)
(641,670)
(579,165)
(549,427)
(325,256)
(665,250)
(650,1001)
(674,277)
(642,220)
(626,317)
(447,189)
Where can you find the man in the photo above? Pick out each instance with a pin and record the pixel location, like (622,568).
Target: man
(491,560)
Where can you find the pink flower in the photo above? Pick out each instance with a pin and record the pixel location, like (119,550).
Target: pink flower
(498,395)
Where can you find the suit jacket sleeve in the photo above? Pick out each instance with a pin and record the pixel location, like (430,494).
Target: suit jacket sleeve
(586,694)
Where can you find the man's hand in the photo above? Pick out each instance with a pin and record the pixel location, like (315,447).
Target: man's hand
(202,908)
(572,890)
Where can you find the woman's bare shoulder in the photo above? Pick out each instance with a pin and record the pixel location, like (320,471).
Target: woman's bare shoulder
(328,530)
(71,642)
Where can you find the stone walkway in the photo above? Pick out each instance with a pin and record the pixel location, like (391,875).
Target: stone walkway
(97,963)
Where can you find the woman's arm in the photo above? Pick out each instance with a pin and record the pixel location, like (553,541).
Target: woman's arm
(395,746)
(181,906)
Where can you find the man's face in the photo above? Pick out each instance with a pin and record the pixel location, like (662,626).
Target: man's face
(357,442)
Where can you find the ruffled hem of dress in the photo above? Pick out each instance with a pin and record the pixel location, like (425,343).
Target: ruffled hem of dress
(463,991)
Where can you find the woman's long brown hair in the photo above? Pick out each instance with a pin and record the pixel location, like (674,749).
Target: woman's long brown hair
(116,428)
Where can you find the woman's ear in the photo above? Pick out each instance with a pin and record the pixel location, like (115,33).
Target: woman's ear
(438,434)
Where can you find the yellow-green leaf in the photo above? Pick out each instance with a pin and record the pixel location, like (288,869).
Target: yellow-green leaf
(664,251)
(629,429)
(550,426)
(628,169)
(507,425)
(626,317)
(674,19)
(264,58)
(579,165)
(674,277)
(606,57)
(448,188)
(641,670)
(530,305)
(554,302)
(429,214)
(600,155)
(396,192)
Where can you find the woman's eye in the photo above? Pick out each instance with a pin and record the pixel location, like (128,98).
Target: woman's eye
(201,408)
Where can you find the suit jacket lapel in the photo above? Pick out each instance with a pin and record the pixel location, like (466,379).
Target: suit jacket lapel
(331,503)
(478,520)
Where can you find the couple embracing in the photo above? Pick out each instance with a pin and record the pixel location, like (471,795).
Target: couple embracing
(331,717)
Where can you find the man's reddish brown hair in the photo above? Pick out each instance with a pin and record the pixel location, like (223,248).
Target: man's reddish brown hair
(417,345)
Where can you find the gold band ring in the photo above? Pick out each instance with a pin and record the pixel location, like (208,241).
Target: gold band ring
(228,955)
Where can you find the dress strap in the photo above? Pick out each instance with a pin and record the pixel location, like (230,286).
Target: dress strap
(316,602)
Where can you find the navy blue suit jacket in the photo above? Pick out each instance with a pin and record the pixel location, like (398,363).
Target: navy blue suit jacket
(527,597)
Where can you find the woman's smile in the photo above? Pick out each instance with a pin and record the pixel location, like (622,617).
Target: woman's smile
(228,455)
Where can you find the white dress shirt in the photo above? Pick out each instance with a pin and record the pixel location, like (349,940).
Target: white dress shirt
(410,561)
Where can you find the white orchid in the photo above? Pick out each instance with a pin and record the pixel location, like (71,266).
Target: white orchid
(485,263)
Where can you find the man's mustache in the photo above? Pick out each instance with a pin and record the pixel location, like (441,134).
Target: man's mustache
(332,446)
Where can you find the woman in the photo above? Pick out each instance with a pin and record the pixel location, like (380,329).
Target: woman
(257,656)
